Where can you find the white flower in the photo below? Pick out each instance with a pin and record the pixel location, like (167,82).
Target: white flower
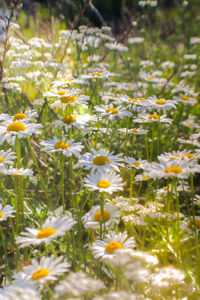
(135,40)
(79,284)
(190,123)
(179,155)
(135,163)
(78,121)
(67,147)
(6,212)
(167,277)
(149,118)
(106,181)
(6,158)
(26,117)
(150,78)
(186,100)
(51,229)
(161,104)
(10,129)
(117,47)
(20,291)
(92,219)
(48,269)
(17,172)
(107,249)
(134,131)
(111,112)
(97,75)
(100,160)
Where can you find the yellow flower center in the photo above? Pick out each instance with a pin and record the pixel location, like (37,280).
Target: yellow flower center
(185,98)
(61,145)
(189,155)
(161,102)
(141,99)
(174,169)
(41,273)
(114,111)
(69,80)
(104,184)
(16,126)
(106,216)
(111,247)
(69,119)
(1,215)
(1,159)
(61,93)
(100,160)
(19,116)
(167,187)
(68,99)
(130,87)
(149,78)
(174,157)
(136,164)
(133,100)
(196,222)
(190,124)
(97,74)
(46,232)
(113,202)
(154,116)
(134,130)
(1,92)
(146,177)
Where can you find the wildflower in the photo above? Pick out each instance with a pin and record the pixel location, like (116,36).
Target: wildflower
(133,131)
(18,172)
(9,130)
(6,158)
(20,291)
(47,269)
(149,118)
(68,148)
(93,217)
(79,284)
(135,163)
(112,112)
(135,40)
(107,249)
(168,277)
(106,181)
(100,160)
(190,123)
(117,47)
(161,104)
(97,75)
(51,229)
(78,121)
(6,212)
(185,100)
(28,116)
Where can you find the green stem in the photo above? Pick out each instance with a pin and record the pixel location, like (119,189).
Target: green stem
(40,175)
(62,181)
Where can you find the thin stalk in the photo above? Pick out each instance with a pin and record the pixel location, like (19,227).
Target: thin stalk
(62,181)
(40,175)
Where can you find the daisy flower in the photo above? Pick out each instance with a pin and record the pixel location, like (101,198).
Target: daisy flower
(9,130)
(6,158)
(106,181)
(79,284)
(97,75)
(18,172)
(92,219)
(136,104)
(135,163)
(47,269)
(51,229)
(6,212)
(179,155)
(161,104)
(29,115)
(134,131)
(67,147)
(107,249)
(100,160)
(174,168)
(190,123)
(149,118)
(20,291)
(72,97)
(78,121)
(111,112)
(150,78)
(116,47)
